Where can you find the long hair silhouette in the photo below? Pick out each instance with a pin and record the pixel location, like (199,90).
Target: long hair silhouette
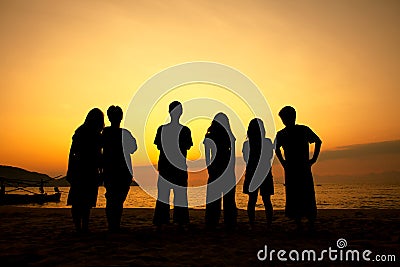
(220,123)
(256,130)
(94,120)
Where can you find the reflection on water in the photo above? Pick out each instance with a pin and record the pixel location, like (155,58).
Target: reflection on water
(329,196)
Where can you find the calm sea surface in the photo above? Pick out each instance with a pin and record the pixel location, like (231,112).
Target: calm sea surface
(329,196)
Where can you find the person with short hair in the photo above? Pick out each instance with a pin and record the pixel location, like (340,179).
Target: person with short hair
(118,144)
(295,139)
(173,140)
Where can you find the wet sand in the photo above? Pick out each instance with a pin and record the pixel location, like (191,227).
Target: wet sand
(46,237)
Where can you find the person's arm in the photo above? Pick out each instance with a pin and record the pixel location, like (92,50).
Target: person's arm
(134,145)
(278,151)
(268,147)
(157,139)
(245,152)
(72,159)
(232,161)
(129,142)
(280,157)
(189,141)
(101,161)
(313,138)
(317,149)
(207,150)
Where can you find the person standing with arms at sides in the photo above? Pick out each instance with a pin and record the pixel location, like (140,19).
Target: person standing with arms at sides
(118,144)
(258,153)
(84,166)
(219,144)
(173,140)
(295,140)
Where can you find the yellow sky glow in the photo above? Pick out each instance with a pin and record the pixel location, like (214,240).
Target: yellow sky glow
(337,62)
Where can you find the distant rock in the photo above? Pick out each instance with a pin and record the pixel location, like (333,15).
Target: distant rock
(60,182)
(23,177)
(15,176)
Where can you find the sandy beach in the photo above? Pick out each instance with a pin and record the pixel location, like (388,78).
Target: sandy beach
(46,237)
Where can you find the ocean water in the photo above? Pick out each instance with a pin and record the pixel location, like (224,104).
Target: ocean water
(329,196)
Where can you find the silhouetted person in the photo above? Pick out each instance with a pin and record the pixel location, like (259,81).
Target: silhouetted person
(118,144)
(41,186)
(219,146)
(173,140)
(258,153)
(295,140)
(2,188)
(84,167)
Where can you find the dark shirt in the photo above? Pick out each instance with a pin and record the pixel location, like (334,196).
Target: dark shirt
(83,167)
(221,149)
(173,141)
(295,142)
(258,156)
(85,155)
(117,144)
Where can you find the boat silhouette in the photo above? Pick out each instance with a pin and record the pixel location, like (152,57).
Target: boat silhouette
(8,198)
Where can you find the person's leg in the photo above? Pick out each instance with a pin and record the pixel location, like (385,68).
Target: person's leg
(115,214)
(311,224)
(85,218)
(120,206)
(251,206)
(311,221)
(114,207)
(299,225)
(213,213)
(312,211)
(293,207)
(213,205)
(161,212)
(181,210)
(110,210)
(268,208)
(230,210)
(76,217)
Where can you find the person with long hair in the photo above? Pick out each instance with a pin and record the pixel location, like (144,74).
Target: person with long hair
(84,168)
(219,146)
(257,153)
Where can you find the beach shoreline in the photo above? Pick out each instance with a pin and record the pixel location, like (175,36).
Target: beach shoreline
(46,237)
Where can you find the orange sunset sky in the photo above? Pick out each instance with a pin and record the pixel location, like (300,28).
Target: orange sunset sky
(336,62)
